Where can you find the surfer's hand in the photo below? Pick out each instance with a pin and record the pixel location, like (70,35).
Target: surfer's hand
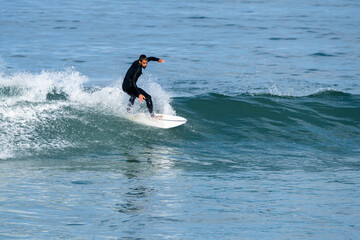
(161,60)
(141,98)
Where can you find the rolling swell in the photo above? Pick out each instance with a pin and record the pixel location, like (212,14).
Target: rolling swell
(326,121)
(321,109)
(58,127)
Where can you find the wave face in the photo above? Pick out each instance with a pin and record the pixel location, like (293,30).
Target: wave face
(53,115)
(329,119)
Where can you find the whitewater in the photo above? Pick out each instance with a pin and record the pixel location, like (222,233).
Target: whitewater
(31,100)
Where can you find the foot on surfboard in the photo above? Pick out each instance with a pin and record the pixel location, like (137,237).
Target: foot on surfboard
(157,117)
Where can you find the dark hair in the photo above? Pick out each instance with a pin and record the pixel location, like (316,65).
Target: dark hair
(142,57)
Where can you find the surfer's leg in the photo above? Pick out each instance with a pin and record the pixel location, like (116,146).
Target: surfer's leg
(148,100)
(131,103)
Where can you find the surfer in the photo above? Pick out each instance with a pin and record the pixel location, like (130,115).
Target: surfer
(131,77)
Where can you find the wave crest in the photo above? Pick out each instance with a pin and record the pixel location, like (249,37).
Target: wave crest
(40,112)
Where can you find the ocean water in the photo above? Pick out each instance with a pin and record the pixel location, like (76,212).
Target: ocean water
(271,91)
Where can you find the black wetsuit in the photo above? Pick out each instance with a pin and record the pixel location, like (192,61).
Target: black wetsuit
(129,85)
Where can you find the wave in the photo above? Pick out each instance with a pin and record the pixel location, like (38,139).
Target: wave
(52,114)
(325,106)
(328,120)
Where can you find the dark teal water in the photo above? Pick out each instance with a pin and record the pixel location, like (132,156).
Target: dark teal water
(271,148)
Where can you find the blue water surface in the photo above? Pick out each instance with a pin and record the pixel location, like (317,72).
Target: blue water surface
(270,89)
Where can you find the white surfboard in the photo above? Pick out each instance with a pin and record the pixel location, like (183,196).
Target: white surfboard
(159,121)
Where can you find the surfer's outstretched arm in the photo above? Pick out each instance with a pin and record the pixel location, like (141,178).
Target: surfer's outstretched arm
(155,59)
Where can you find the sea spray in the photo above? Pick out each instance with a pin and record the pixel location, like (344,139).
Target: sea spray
(44,112)
(70,84)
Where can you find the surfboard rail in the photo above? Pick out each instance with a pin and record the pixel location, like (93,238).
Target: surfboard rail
(164,121)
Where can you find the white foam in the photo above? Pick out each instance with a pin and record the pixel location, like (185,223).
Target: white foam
(161,98)
(26,106)
(35,87)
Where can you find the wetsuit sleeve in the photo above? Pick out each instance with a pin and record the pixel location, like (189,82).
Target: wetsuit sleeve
(153,59)
(134,80)
(136,90)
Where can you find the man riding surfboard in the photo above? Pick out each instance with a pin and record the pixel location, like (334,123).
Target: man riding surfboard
(129,85)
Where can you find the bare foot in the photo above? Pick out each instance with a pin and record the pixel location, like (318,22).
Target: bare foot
(158,117)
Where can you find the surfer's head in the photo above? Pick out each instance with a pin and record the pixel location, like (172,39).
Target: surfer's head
(143,60)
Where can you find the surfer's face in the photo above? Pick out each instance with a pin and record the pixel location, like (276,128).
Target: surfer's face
(143,63)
